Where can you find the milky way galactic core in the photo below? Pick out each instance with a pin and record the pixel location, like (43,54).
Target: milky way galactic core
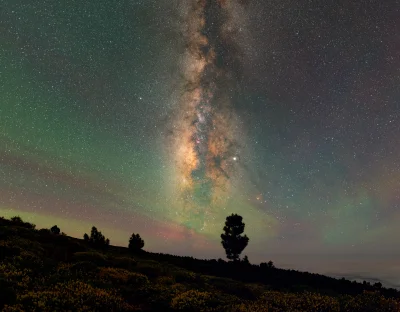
(205,132)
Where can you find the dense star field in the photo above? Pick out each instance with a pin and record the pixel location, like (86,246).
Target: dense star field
(163,117)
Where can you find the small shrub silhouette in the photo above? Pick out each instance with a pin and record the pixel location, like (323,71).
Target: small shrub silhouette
(55,230)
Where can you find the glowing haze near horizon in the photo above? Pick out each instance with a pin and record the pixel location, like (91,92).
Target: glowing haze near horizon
(163,117)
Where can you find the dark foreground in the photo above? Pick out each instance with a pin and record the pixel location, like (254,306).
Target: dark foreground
(42,271)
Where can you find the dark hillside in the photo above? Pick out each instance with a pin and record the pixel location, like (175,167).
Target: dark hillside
(41,270)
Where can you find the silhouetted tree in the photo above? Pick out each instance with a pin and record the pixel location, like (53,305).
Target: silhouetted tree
(96,238)
(136,243)
(55,230)
(269,265)
(246,260)
(232,239)
(17,220)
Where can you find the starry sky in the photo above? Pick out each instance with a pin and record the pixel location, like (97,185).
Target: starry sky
(163,117)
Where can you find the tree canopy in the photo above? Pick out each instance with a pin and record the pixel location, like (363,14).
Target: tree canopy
(55,230)
(232,239)
(136,243)
(96,238)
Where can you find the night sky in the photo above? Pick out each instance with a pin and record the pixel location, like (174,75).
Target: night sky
(162,117)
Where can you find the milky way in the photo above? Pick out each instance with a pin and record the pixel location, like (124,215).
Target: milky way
(205,130)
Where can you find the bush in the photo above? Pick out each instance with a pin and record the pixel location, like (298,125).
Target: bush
(44,232)
(73,296)
(85,266)
(279,301)
(64,272)
(137,279)
(18,221)
(60,253)
(27,245)
(158,297)
(19,278)
(123,262)
(84,271)
(55,230)
(250,307)
(165,280)
(47,237)
(8,250)
(150,268)
(256,290)
(233,287)
(8,295)
(28,260)
(371,302)
(10,231)
(192,300)
(91,256)
(184,277)
(306,301)
(14,308)
(62,240)
(4,221)
(117,276)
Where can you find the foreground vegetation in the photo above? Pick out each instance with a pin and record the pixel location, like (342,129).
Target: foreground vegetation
(43,270)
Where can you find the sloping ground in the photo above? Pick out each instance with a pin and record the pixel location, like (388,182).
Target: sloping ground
(40,271)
